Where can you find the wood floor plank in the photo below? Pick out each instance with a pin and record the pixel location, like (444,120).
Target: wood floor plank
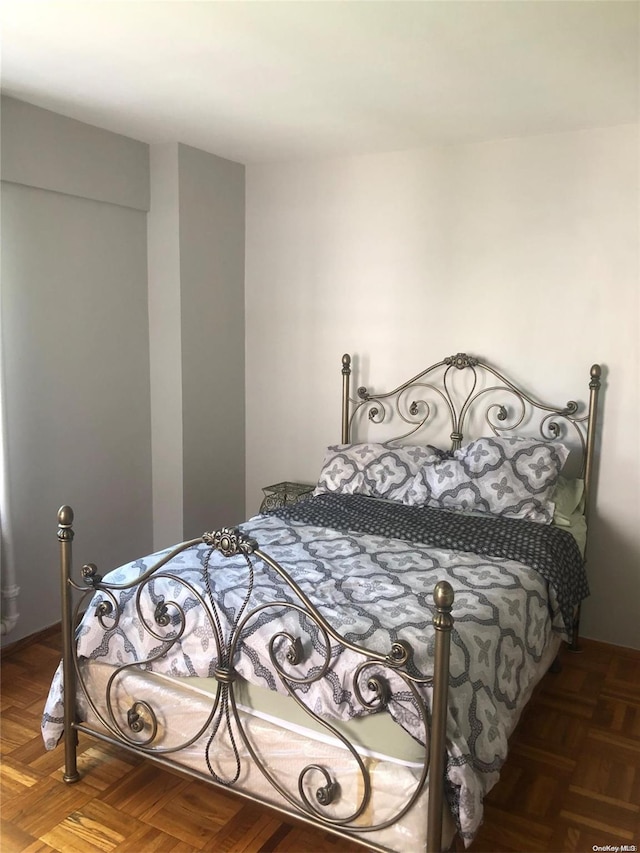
(247,832)
(618,744)
(94,828)
(14,839)
(508,831)
(542,757)
(41,655)
(33,754)
(143,791)
(15,733)
(44,805)
(193,814)
(15,778)
(570,838)
(609,827)
(568,704)
(599,814)
(303,839)
(40,846)
(100,768)
(26,689)
(151,840)
(607,801)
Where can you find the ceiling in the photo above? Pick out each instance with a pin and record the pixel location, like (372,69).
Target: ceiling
(263,81)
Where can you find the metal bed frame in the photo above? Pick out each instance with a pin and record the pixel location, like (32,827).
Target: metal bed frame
(439,396)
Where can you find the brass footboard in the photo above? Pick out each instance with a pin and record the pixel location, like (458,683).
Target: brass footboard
(317,797)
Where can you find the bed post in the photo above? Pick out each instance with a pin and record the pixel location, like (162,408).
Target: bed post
(65,537)
(594,390)
(443,623)
(346,374)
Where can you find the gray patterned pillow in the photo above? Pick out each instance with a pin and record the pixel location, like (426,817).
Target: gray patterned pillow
(376,470)
(511,476)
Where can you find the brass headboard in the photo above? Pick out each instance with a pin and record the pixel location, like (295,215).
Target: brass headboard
(461,386)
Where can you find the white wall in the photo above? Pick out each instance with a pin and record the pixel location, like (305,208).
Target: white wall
(212,195)
(83,372)
(196,313)
(76,347)
(165,345)
(523,251)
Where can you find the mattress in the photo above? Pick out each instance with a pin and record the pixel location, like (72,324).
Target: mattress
(286,743)
(287,740)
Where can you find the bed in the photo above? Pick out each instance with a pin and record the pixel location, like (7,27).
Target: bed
(358,659)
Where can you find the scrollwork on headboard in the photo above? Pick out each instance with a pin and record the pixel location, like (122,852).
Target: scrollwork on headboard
(469,396)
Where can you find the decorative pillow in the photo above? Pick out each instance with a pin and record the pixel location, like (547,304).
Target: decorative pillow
(377,470)
(513,477)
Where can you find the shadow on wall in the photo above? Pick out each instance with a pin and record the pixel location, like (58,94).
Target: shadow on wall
(612,570)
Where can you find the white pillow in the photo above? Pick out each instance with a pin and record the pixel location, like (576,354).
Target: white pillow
(512,477)
(376,470)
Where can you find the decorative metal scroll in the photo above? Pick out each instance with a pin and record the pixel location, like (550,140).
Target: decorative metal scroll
(450,392)
(374,682)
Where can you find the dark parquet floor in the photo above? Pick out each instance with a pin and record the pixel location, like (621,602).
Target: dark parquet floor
(571,782)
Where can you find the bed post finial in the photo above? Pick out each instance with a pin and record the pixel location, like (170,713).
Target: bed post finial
(346,375)
(443,597)
(443,623)
(65,522)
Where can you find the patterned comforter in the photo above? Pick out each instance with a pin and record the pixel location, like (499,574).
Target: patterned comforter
(374,589)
